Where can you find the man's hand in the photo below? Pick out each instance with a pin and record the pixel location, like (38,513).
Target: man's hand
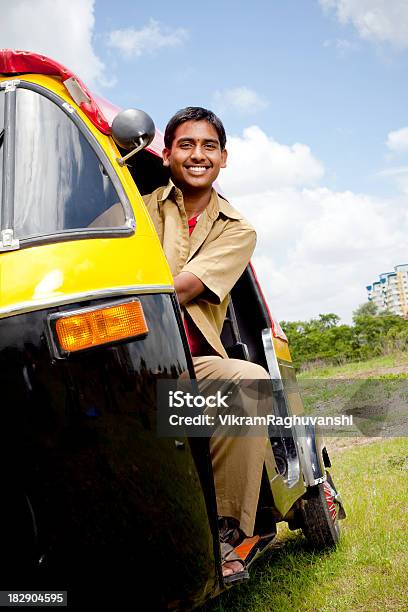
(187,286)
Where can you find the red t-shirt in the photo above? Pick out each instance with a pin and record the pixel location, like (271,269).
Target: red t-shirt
(197,342)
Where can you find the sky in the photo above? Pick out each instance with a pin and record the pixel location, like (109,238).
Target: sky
(314,98)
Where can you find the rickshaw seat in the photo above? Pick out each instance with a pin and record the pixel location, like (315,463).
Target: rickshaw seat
(114,216)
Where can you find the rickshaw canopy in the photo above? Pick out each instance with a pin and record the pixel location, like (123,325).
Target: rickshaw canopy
(99,111)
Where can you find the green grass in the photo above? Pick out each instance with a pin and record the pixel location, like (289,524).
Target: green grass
(367,572)
(357,367)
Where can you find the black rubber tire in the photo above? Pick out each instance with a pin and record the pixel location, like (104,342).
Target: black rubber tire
(319,525)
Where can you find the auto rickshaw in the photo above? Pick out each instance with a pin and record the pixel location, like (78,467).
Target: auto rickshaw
(92,497)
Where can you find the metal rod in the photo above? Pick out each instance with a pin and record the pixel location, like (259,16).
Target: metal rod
(122,160)
(234,322)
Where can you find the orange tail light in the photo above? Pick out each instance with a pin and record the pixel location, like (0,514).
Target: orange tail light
(92,327)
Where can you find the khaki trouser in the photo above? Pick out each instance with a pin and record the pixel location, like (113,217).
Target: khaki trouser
(237,461)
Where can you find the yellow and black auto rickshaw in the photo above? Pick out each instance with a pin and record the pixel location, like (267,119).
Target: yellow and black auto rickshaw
(89,322)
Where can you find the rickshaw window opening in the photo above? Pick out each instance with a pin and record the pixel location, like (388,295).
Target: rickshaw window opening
(83,128)
(72,169)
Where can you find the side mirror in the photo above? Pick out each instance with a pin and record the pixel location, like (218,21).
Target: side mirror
(134,130)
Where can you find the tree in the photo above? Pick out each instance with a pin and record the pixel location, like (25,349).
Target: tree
(329,320)
(368,309)
(324,339)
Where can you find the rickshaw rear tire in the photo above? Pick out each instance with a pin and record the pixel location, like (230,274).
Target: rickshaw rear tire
(319,525)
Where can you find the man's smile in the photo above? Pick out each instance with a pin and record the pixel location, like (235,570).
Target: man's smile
(197,170)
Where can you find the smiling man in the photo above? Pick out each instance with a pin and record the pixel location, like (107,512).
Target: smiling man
(208,245)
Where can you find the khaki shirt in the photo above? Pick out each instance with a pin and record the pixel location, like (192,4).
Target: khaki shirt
(217,252)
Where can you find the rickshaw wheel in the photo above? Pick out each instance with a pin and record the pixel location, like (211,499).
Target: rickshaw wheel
(320,521)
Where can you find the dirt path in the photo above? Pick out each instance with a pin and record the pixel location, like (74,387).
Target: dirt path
(338,445)
(375,373)
(372,400)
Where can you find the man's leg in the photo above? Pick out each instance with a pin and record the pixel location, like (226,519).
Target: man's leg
(237,461)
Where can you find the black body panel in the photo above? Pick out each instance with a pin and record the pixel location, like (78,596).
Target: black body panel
(86,484)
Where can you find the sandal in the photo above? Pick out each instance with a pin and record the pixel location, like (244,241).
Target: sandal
(228,554)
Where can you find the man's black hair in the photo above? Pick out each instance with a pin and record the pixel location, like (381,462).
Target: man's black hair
(193,113)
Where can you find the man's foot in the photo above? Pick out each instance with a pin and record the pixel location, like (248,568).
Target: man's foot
(231,567)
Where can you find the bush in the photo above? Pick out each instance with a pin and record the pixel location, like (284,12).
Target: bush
(324,341)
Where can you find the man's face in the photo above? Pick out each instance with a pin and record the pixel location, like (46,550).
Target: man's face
(195,157)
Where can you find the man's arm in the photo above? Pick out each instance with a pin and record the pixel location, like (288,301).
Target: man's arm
(220,263)
(187,286)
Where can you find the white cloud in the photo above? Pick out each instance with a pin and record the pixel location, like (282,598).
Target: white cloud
(376,20)
(397,141)
(147,40)
(62,30)
(257,163)
(240,99)
(317,248)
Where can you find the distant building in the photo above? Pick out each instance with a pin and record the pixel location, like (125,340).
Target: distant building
(391,291)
